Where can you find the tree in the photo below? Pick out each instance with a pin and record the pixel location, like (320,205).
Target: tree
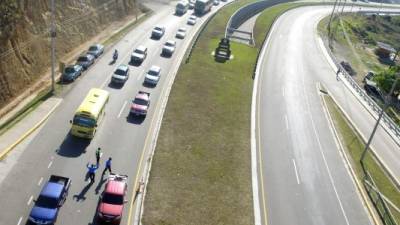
(386,78)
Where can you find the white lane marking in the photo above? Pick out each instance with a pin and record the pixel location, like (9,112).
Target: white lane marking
(40,181)
(283,92)
(286,122)
(51,162)
(323,157)
(20,220)
(122,109)
(295,170)
(30,200)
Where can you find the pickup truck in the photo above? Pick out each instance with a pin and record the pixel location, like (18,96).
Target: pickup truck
(51,198)
(140,104)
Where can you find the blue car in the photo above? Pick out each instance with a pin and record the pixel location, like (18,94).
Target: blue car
(71,72)
(51,198)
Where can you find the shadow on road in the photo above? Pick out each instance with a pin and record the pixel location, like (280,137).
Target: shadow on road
(81,195)
(73,146)
(100,184)
(135,119)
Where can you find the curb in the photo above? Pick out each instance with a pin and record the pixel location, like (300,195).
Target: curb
(162,103)
(386,168)
(4,153)
(339,145)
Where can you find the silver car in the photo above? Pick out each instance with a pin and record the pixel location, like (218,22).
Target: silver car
(181,33)
(121,74)
(153,75)
(96,50)
(169,48)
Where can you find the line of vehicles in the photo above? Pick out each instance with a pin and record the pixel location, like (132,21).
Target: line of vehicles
(200,7)
(88,117)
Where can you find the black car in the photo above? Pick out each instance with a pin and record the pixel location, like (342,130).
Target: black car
(71,72)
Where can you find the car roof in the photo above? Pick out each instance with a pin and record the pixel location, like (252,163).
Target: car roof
(142,96)
(52,190)
(155,68)
(141,47)
(171,42)
(122,67)
(182,29)
(115,187)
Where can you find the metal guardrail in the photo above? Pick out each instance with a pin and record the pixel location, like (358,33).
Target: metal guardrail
(371,103)
(246,12)
(390,124)
(377,200)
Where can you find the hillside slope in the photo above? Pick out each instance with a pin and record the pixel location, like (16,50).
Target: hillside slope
(24,37)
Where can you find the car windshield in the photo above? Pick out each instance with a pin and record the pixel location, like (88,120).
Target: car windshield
(192,17)
(158,29)
(84,121)
(169,44)
(181,30)
(82,59)
(139,101)
(153,73)
(139,51)
(69,70)
(93,48)
(113,199)
(120,72)
(46,202)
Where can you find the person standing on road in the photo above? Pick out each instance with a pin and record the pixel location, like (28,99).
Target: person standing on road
(108,166)
(98,155)
(92,171)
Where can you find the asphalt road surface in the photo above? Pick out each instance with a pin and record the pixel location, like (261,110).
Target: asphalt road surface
(305,180)
(54,151)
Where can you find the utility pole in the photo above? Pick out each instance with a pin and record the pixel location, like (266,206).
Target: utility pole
(53,45)
(364,153)
(330,20)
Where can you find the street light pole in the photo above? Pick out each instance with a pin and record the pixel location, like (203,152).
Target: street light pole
(377,122)
(53,45)
(330,21)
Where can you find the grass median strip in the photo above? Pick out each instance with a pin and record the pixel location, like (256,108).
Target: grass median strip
(201,168)
(354,146)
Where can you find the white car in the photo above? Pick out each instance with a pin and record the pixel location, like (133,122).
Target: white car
(139,54)
(181,33)
(153,75)
(158,32)
(121,74)
(192,20)
(169,48)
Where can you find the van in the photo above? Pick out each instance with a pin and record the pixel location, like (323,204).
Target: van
(181,7)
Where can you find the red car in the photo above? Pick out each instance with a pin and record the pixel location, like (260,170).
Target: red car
(140,104)
(112,199)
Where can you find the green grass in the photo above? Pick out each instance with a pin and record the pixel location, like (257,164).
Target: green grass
(355,146)
(201,168)
(22,113)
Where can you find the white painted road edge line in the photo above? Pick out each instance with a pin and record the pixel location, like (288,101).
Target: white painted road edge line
(30,200)
(295,170)
(40,181)
(253,128)
(20,220)
(122,109)
(51,162)
(361,193)
(364,137)
(163,101)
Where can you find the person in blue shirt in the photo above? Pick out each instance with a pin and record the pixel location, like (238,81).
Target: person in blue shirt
(92,171)
(108,166)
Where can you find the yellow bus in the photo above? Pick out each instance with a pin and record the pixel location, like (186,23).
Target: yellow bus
(89,114)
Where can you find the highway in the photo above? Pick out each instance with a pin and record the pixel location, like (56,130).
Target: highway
(54,151)
(304,179)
